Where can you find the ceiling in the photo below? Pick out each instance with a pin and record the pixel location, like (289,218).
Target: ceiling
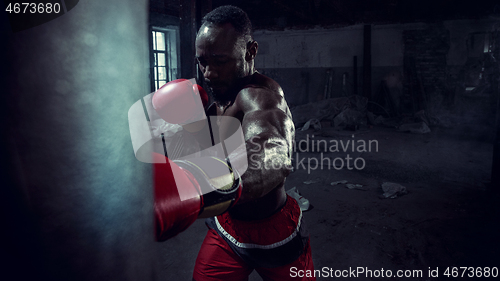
(280,14)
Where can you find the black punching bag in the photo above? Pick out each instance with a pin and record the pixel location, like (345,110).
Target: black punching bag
(76,203)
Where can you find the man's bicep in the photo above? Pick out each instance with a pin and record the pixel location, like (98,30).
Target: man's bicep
(269,123)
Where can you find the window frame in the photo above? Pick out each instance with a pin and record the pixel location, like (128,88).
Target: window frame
(172,55)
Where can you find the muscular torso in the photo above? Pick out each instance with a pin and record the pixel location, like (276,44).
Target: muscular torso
(268,204)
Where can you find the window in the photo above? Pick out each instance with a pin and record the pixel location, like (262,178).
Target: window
(165,58)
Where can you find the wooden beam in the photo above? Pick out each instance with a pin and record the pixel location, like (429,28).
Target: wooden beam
(495,167)
(355,75)
(187,36)
(367,61)
(203,7)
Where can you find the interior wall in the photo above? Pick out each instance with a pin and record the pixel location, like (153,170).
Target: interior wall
(299,61)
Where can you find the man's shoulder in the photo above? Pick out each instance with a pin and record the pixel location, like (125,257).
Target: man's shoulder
(264,82)
(261,92)
(258,98)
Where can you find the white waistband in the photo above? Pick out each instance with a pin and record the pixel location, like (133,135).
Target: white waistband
(257,246)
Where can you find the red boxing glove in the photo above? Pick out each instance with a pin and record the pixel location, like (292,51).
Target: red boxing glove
(189,189)
(180,102)
(203,94)
(172,215)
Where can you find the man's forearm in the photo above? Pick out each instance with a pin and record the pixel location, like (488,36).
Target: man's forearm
(267,164)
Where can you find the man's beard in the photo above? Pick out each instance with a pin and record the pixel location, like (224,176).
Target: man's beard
(231,91)
(223,98)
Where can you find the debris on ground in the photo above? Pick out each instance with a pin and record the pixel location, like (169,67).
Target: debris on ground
(392,190)
(356,186)
(417,128)
(423,116)
(350,110)
(338,182)
(350,185)
(373,119)
(312,181)
(348,118)
(312,122)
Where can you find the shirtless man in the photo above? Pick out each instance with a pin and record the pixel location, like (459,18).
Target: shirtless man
(264,230)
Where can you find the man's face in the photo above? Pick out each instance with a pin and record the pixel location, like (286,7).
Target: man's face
(221,58)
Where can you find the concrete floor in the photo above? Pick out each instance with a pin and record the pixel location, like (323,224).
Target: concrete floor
(447,219)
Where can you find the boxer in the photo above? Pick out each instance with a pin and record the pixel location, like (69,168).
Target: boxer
(264,229)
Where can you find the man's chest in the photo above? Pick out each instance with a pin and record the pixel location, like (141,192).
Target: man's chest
(225,121)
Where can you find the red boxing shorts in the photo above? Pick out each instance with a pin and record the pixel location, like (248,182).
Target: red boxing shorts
(232,248)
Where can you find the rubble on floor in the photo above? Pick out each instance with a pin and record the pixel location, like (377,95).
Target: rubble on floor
(349,113)
(356,186)
(375,120)
(312,122)
(312,181)
(350,185)
(340,112)
(392,190)
(338,182)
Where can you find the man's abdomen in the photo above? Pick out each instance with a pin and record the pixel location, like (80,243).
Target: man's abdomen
(262,207)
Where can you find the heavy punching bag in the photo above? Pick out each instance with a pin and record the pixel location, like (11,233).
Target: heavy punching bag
(76,203)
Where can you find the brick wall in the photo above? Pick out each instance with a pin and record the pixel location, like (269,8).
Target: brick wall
(425,51)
